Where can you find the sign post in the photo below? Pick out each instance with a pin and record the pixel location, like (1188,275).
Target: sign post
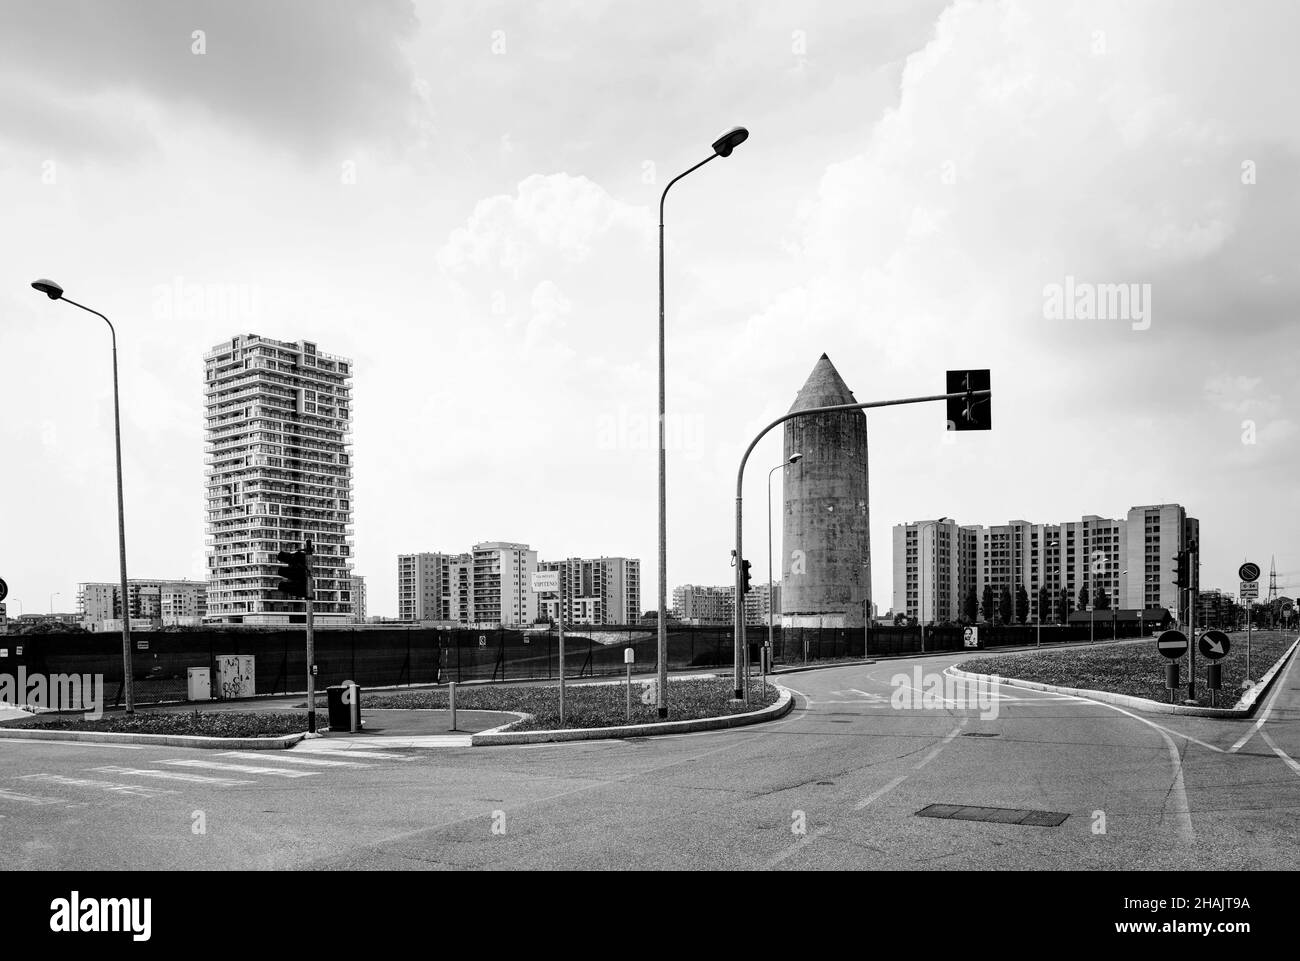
(311,640)
(1249,574)
(1215,646)
(548,582)
(1173,645)
(629,655)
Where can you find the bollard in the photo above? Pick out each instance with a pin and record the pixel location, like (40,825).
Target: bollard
(629,655)
(451,696)
(1214,681)
(1171,678)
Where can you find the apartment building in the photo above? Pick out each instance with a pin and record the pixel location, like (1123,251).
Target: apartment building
(704,605)
(1130,560)
(503,593)
(435,587)
(160,603)
(596,590)
(358,599)
(278,472)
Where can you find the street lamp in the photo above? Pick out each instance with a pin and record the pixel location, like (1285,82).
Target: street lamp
(793,459)
(722,147)
(52,597)
(52,290)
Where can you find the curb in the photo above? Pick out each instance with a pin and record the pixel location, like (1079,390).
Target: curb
(1243,709)
(779,709)
(158,740)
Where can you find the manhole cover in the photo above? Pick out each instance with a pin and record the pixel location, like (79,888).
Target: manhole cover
(968,812)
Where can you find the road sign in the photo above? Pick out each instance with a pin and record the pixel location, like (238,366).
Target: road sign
(4,590)
(1214,644)
(142,645)
(1248,572)
(1249,589)
(546,582)
(1172,644)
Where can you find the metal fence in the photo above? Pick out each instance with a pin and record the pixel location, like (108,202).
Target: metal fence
(400,656)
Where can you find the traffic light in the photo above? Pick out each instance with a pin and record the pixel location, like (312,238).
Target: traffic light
(292,573)
(969,413)
(1182,562)
(744,568)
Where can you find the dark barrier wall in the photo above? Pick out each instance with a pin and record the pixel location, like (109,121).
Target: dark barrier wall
(384,658)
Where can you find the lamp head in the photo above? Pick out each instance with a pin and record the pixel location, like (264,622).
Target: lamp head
(795,458)
(49,288)
(729,141)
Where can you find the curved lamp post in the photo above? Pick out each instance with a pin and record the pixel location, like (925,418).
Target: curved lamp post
(722,147)
(52,290)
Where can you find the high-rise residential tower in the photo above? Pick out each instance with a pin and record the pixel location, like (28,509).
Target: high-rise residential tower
(279,471)
(826,557)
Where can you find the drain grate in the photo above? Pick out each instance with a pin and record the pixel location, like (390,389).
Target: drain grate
(968,812)
(979,734)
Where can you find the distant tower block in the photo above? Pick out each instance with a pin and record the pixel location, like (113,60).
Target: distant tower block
(826,563)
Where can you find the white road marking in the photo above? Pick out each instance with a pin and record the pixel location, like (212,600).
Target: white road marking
(283,757)
(27,798)
(170,775)
(1182,809)
(941,745)
(240,768)
(134,790)
(1279,683)
(876,795)
(347,752)
(1291,763)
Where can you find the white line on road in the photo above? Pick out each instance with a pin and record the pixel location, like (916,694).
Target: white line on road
(135,790)
(27,798)
(283,758)
(170,775)
(240,768)
(876,795)
(341,751)
(1291,763)
(942,744)
(1268,709)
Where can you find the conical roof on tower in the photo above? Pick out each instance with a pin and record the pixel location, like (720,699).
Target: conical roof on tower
(823,388)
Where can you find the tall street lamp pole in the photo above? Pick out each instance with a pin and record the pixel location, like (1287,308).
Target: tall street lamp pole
(52,290)
(722,147)
(794,459)
(52,597)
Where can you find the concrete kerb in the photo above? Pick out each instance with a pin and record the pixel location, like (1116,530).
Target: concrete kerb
(782,707)
(1244,708)
(158,740)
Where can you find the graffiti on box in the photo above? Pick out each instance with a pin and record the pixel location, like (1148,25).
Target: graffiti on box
(235,676)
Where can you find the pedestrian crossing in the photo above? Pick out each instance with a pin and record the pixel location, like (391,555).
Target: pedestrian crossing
(137,777)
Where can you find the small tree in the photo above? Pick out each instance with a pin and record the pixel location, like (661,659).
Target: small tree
(1044,604)
(971,607)
(1083,598)
(986,604)
(1102,600)
(1063,605)
(1004,605)
(1022,604)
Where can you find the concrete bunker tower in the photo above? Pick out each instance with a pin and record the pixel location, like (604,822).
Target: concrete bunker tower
(826,562)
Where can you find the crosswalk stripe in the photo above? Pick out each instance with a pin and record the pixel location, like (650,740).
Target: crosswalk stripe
(344,752)
(27,798)
(240,768)
(136,790)
(170,775)
(282,756)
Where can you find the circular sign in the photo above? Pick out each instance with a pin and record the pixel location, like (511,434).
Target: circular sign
(1214,644)
(1172,644)
(4,589)
(1248,571)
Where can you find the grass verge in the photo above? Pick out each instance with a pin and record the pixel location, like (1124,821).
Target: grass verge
(585,705)
(193,723)
(1136,669)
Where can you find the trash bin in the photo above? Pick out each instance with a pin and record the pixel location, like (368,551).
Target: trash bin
(344,702)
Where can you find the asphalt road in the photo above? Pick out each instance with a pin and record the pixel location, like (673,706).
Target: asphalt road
(836,784)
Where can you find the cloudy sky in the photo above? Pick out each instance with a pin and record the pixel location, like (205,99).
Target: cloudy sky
(461,196)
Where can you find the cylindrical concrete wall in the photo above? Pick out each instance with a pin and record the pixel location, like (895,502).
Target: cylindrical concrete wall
(826,563)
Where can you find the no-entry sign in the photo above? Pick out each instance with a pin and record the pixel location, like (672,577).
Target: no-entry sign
(1172,644)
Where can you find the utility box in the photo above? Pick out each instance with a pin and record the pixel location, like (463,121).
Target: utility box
(235,676)
(198,684)
(344,702)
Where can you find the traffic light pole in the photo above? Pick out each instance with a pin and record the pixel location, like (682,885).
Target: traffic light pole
(738,678)
(311,642)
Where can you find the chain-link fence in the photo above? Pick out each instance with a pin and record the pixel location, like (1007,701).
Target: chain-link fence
(400,656)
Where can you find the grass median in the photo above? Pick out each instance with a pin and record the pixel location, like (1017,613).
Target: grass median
(232,724)
(1136,669)
(585,705)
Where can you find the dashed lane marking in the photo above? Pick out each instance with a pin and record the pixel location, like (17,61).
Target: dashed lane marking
(170,775)
(240,768)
